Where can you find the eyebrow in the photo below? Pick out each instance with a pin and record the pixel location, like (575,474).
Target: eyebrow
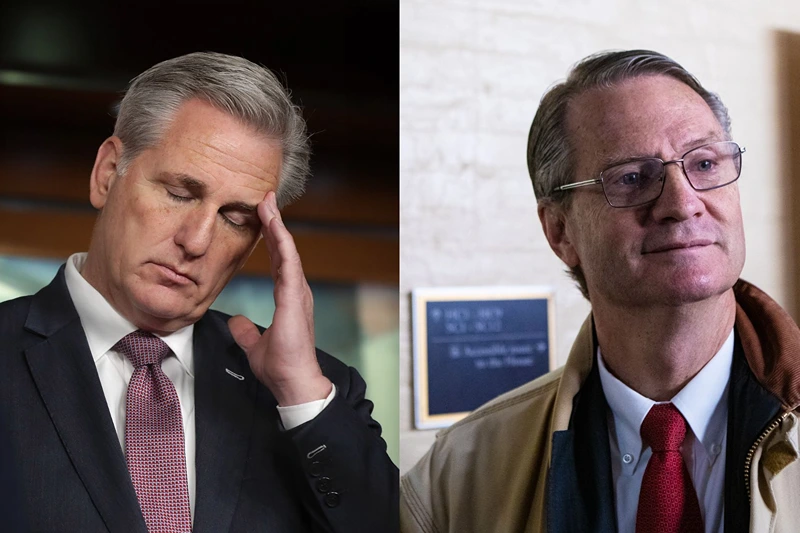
(611,160)
(199,188)
(241,206)
(193,184)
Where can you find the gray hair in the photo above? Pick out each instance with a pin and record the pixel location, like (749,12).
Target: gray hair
(551,160)
(246,91)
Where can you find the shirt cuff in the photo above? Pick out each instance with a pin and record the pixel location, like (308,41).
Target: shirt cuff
(295,415)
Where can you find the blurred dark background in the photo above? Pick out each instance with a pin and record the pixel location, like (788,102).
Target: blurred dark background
(64,67)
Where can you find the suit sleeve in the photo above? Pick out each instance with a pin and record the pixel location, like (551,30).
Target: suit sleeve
(344,460)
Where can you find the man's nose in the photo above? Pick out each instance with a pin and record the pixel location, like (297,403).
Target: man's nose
(196,231)
(678,200)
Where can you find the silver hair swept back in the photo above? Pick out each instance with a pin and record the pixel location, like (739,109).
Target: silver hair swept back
(234,85)
(550,153)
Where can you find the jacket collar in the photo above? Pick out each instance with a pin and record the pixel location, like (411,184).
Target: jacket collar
(771,341)
(66,378)
(576,370)
(750,410)
(580,489)
(51,308)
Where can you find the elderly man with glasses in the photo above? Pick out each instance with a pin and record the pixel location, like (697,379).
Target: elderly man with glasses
(676,409)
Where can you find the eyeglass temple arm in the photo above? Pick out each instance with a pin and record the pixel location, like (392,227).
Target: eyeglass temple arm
(578,184)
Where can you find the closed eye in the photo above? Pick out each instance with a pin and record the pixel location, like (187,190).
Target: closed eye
(178,198)
(232,221)
(239,220)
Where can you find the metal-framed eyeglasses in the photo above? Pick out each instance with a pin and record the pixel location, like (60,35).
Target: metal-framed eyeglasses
(640,180)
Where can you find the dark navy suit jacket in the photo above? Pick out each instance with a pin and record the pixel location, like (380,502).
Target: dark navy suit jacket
(331,474)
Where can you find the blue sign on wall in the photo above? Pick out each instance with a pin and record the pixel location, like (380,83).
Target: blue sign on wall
(472,345)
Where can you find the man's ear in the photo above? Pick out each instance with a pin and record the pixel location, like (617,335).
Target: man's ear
(105,171)
(554,223)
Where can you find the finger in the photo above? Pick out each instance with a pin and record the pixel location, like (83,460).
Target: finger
(266,213)
(291,269)
(291,287)
(272,199)
(244,332)
(283,251)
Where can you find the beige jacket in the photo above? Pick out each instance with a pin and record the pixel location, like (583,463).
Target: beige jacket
(488,472)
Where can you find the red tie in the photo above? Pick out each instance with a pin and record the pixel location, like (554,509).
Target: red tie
(667,501)
(154,446)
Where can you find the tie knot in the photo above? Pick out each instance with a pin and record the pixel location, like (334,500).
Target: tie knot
(664,428)
(142,348)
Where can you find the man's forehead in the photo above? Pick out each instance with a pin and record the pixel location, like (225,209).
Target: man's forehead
(206,145)
(641,117)
(617,154)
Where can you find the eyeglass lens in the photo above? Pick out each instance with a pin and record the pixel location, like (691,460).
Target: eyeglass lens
(641,181)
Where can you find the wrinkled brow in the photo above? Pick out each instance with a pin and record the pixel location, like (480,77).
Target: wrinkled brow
(199,188)
(609,160)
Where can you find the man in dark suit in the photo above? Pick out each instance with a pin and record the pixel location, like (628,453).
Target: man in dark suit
(132,406)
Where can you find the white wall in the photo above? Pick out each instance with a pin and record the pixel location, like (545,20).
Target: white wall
(472,74)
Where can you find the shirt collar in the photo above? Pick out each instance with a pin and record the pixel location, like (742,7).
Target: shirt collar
(703,398)
(701,401)
(104,326)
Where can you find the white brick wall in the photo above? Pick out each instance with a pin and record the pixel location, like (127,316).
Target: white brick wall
(472,74)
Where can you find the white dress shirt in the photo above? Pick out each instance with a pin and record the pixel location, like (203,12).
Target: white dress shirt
(104,327)
(703,403)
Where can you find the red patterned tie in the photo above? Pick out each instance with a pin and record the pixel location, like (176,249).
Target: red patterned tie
(667,501)
(154,446)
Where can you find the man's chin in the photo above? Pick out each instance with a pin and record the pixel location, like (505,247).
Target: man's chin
(164,309)
(691,279)
(693,289)
(669,289)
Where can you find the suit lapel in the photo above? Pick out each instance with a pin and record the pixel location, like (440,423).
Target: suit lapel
(224,410)
(66,377)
